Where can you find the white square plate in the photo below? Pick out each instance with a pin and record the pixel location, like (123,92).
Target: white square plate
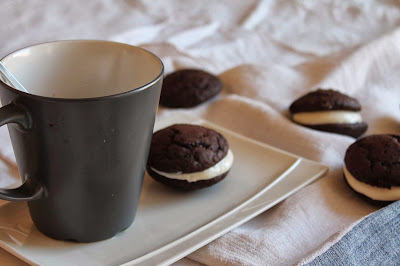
(170,224)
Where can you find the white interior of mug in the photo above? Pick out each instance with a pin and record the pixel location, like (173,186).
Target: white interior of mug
(83,69)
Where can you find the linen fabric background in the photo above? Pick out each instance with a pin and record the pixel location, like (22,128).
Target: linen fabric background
(267,54)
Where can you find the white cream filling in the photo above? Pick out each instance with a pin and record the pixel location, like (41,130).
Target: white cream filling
(220,168)
(376,193)
(327,117)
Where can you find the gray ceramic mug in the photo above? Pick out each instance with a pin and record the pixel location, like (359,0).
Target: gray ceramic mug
(81,134)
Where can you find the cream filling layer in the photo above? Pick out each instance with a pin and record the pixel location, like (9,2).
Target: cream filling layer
(220,168)
(327,117)
(376,193)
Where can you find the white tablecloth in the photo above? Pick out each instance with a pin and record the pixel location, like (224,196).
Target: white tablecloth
(267,54)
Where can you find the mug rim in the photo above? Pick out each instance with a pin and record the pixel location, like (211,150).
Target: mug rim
(97,98)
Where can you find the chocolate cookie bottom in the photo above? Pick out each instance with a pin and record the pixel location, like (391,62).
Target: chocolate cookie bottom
(352,130)
(377,203)
(183,184)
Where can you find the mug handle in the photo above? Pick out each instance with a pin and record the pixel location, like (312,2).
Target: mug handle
(30,189)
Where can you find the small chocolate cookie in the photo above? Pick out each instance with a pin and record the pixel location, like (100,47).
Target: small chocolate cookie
(372,167)
(188,88)
(341,112)
(186,150)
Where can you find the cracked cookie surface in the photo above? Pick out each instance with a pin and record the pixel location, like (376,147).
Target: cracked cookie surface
(186,148)
(375,160)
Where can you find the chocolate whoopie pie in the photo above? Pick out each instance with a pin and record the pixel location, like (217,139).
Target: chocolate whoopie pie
(189,157)
(188,88)
(372,168)
(329,110)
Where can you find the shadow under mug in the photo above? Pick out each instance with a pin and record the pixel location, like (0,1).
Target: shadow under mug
(81,134)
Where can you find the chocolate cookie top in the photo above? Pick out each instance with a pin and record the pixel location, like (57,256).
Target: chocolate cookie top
(188,88)
(324,100)
(186,148)
(375,160)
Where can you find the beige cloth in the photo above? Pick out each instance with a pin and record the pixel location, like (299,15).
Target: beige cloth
(267,54)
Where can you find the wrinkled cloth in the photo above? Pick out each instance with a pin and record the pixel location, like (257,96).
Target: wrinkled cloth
(267,54)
